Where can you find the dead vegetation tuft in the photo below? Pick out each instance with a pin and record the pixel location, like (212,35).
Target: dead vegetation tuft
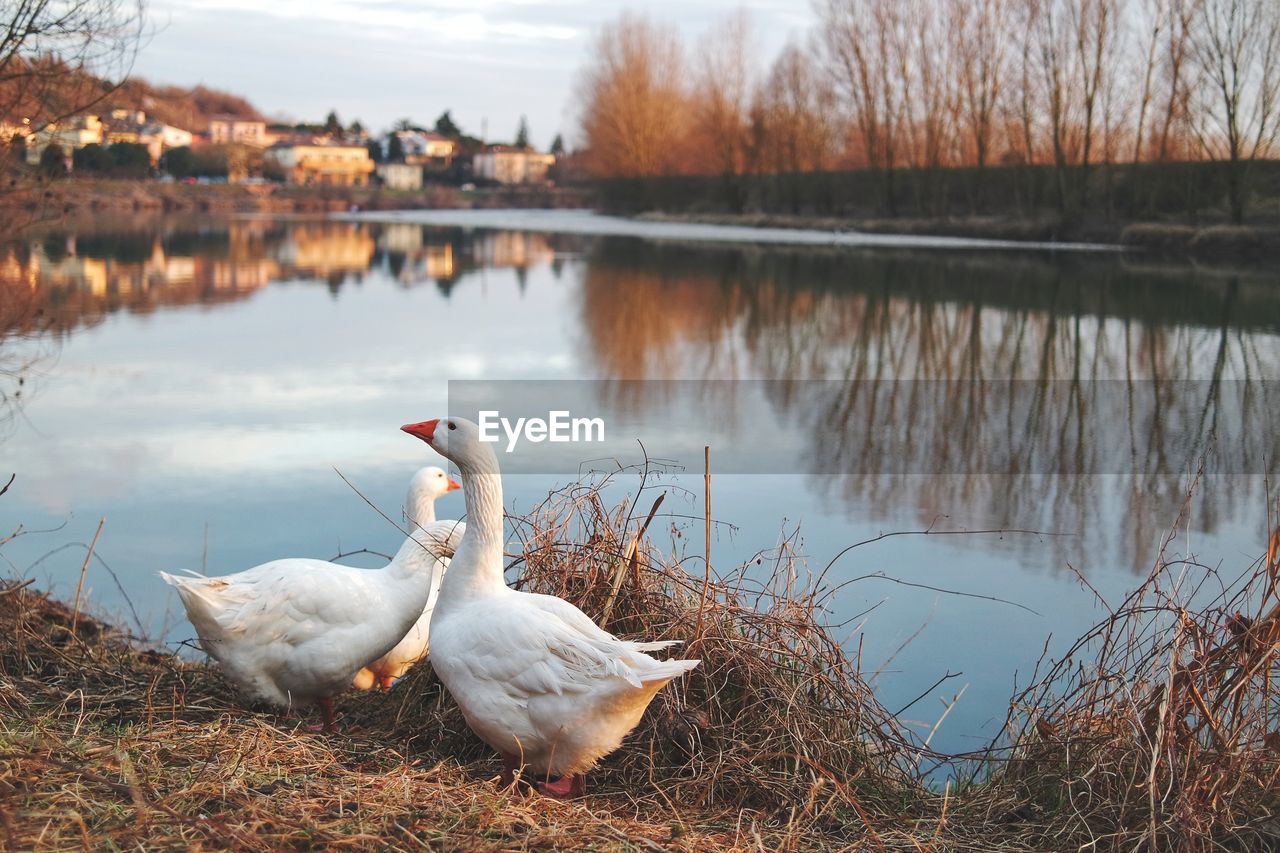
(1157,730)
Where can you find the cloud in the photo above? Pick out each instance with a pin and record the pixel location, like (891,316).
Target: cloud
(489,61)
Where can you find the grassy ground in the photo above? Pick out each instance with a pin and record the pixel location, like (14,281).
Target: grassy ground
(1158,731)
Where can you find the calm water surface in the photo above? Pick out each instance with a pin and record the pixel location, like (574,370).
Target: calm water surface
(198,383)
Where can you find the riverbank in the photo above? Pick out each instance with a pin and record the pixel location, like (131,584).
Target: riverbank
(54,201)
(691,231)
(74,197)
(1156,730)
(1216,243)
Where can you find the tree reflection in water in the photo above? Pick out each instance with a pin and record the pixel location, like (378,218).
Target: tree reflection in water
(1067,393)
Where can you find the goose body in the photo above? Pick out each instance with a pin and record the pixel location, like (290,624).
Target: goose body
(420,510)
(534,677)
(295,631)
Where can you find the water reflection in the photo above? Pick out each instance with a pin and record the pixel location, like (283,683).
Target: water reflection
(676,312)
(1058,370)
(63,280)
(1103,349)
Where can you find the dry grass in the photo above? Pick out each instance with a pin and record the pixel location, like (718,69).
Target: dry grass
(103,745)
(774,742)
(1160,727)
(1158,731)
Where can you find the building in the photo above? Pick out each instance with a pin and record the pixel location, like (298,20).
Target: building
(132,126)
(509,165)
(323,165)
(400,176)
(422,147)
(173,137)
(225,130)
(76,133)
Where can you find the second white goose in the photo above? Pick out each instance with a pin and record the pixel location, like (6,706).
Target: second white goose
(419,510)
(294,632)
(535,678)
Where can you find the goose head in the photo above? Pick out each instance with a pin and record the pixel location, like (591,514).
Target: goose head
(427,485)
(458,440)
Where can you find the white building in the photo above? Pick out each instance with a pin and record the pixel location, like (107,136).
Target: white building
(508,165)
(170,136)
(332,165)
(224,130)
(76,133)
(156,136)
(421,147)
(400,176)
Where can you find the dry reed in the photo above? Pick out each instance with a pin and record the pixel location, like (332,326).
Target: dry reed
(1160,727)
(1157,730)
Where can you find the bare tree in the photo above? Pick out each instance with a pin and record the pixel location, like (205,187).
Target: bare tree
(860,40)
(722,92)
(58,57)
(925,70)
(797,108)
(1150,37)
(1024,106)
(1053,55)
(633,112)
(1175,60)
(1236,44)
(1094,25)
(1075,85)
(981,32)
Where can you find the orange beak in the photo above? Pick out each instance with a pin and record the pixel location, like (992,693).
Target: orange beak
(425,430)
(453,484)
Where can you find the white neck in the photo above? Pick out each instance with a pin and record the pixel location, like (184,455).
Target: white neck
(421,509)
(412,556)
(476,569)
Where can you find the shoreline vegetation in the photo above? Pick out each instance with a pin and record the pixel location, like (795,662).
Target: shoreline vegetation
(52,200)
(1157,730)
(1170,209)
(1210,242)
(1226,243)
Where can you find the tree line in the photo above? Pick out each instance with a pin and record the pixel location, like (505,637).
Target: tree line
(1075,87)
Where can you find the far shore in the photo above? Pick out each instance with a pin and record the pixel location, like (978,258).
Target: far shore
(55,202)
(826,233)
(74,199)
(1202,243)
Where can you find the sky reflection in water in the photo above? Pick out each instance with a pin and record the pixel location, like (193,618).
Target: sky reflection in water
(197,384)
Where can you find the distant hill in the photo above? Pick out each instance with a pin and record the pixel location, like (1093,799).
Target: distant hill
(49,95)
(189,109)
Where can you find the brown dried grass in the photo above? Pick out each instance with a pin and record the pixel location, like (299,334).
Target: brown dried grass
(1158,730)
(107,745)
(774,742)
(1160,727)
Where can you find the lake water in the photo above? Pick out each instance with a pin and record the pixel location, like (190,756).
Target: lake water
(196,383)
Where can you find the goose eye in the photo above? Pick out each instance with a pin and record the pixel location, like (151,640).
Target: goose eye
(452,425)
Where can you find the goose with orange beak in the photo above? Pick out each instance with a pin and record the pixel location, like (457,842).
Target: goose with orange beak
(295,632)
(535,678)
(419,511)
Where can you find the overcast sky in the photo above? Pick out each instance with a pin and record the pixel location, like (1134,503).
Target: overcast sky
(381,60)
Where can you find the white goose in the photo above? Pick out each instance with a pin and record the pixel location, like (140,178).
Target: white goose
(419,510)
(294,632)
(535,678)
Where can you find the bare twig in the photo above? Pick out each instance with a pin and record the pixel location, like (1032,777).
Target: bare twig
(75,614)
